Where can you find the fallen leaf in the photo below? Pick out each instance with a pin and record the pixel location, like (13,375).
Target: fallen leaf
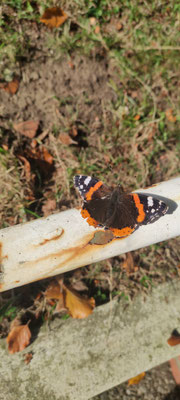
(47,156)
(78,307)
(128,264)
(119,26)
(106,158)
(18,338)
(53,291)
(93,21)
(27,128)
(66,139)
(136,379)
(53,17)
(5,147)
(97,29)
(38,296)
(173,341)
(28,358)
(33,143)
(174,338)
(27,167)
(41,155)
(134,94)
(169,115)
(10,87)
(96,282)
(48,207)
(137,117)
(74,131)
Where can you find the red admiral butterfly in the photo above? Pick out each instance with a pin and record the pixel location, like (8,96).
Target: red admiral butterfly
(114,209)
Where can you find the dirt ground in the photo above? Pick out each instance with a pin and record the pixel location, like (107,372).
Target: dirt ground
(48,88)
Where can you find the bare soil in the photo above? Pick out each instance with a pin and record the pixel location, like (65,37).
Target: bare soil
(51,87)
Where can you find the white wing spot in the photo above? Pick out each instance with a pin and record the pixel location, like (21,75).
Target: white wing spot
(153,210)
(81,186)
(87,180)
(150,201)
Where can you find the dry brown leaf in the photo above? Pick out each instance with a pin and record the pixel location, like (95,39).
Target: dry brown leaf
(27,167)
(93,21)
(119,26)
(33,143)
(136,379)
(48,207)
(18,338)
(5,147)
(174,339)
(78,307)
(128,264)
(27,128)
(137,117)
(66,139)
(47,156)
(10,87)
(53,17)
(169,115)
(134,94)
(97,30)
(53,291)
(28,358)
(74,131)
(106,158)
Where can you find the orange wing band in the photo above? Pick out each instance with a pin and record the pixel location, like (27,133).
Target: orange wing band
(93,189)
(122,232)
(140,208)
(116,232)
(89,219)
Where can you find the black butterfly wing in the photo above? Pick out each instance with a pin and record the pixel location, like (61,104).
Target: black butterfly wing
(153,208)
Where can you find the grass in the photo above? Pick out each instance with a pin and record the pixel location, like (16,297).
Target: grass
(123,132)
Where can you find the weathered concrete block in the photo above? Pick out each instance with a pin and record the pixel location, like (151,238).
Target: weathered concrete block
(77,359)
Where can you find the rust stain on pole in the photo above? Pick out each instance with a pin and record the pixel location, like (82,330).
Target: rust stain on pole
(51,239)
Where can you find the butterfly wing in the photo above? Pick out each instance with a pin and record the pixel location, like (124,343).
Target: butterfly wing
(153,208)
